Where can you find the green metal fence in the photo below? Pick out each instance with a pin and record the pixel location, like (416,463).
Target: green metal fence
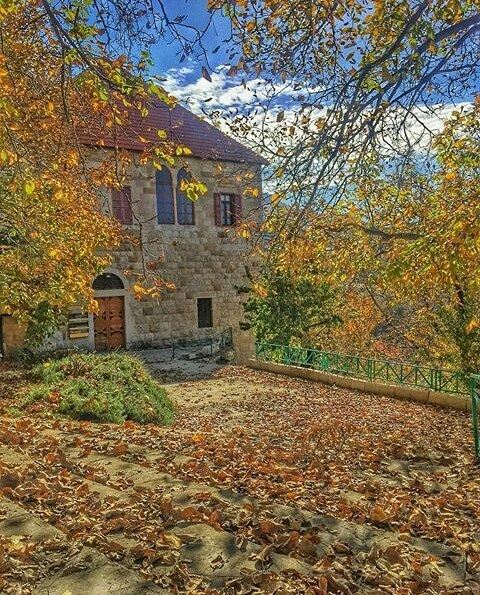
(363,368)
(475,393)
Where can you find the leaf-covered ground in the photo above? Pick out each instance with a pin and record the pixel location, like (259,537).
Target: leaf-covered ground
(263,485)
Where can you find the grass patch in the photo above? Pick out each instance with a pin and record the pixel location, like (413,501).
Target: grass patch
(109,388)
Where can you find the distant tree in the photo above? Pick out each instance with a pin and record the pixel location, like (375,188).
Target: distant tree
(432,257)
(286,310)
(351,97)
(406,241)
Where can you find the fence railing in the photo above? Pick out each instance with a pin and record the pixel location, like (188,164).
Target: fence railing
(213,344)
(364,368)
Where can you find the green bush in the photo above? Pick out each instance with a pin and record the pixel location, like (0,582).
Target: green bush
(291,310)
(105,388)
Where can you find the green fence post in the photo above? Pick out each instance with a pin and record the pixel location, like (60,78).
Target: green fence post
(369,369)
(476,437)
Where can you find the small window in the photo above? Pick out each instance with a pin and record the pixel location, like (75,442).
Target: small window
(122,205)
(107,281)
(185,213)
(228,209)
(77,324)
(205,314)
(164,194)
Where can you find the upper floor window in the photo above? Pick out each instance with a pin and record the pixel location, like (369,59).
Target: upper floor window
(185,210)
(164,194)
(228,209)
(122,205)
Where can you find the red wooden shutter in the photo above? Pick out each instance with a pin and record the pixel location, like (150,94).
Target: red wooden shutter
(116,203)
(122,205)
(127,205)
(217,209)
(237,208)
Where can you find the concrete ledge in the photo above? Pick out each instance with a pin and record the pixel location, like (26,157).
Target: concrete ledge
(448,400)
(376,388)
(407,392)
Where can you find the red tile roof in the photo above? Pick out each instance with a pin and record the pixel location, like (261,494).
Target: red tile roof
(182,127)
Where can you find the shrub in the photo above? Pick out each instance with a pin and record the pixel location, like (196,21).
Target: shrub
(105,388)
(291,310)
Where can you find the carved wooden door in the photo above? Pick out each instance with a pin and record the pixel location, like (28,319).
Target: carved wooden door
(109,323)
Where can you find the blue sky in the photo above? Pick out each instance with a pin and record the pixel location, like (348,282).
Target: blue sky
(165,54)
(223,94)
(184,79)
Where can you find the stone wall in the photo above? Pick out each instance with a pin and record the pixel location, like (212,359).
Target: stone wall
(201,260)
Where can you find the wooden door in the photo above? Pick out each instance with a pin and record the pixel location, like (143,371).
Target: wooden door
(109,323)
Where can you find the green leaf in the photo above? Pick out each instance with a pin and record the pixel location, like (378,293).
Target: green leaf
(29,187)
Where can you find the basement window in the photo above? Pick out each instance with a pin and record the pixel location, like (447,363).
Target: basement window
(205,312)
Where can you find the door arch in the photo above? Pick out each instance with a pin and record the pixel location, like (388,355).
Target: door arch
(107,281)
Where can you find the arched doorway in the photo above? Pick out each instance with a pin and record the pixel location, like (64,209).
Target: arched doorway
(109,320)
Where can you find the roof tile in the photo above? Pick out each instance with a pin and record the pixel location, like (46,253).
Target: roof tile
(182,127)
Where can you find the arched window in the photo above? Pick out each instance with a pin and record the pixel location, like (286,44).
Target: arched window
(107,281)
(185,213)
(164,193)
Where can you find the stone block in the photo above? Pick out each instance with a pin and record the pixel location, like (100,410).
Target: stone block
(13,334)
(352,383)
(379,388)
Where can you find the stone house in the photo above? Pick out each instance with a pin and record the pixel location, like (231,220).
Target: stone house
(195,245)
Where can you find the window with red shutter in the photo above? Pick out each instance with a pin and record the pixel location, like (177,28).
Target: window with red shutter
(228,209)
(122,205)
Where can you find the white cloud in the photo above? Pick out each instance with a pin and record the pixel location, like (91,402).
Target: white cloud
(224,92)
(231,95)
(229,98)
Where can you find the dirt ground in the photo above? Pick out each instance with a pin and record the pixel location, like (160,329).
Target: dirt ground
(264,484)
